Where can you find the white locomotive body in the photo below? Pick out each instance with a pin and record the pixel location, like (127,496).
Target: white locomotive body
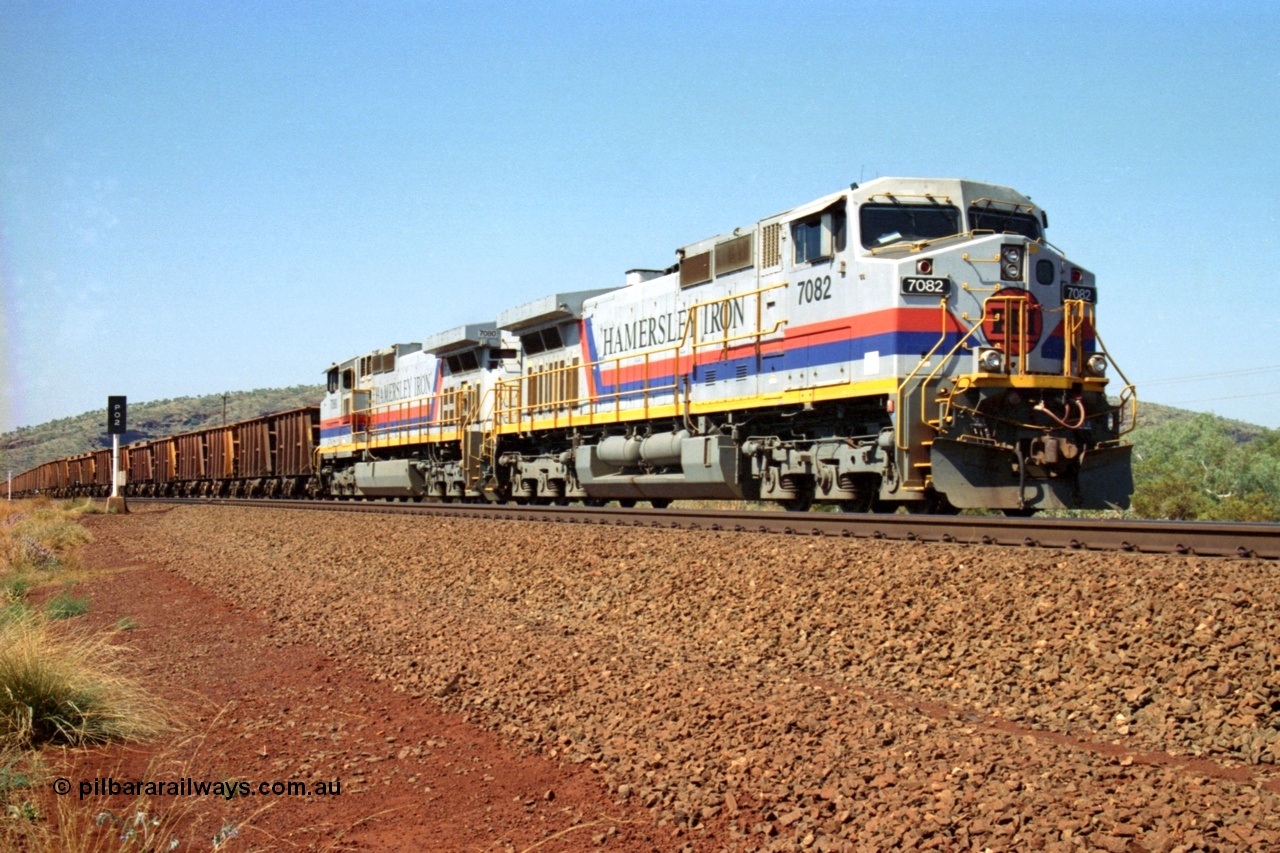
(909,342)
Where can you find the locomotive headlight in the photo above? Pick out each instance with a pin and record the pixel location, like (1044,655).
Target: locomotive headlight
(1096,365)
(1011,263)
(991,360)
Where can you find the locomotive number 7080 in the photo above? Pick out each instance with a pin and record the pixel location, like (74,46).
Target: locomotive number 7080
(815,289)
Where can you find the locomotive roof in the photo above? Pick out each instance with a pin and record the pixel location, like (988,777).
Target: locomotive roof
(554,308)
(463,337)
(398,349)
(957,191)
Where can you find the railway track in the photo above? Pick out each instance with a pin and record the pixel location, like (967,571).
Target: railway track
(1205,539)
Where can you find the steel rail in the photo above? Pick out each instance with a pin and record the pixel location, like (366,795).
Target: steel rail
(1204,539)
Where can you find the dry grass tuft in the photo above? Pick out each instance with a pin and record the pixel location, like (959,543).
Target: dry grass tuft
(63,688)
(67,689)
(33,820)
(37,537)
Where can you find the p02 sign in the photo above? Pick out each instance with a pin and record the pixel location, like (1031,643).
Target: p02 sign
(117,415)
(924,285)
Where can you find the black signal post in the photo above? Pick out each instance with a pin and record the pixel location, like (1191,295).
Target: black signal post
(117,423)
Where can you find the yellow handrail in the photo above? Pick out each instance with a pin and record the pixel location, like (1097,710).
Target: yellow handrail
(898,431)
(1128,393)
(567,405)
(1021,351)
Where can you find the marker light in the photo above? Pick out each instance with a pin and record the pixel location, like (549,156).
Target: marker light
(1011,263)
(1077,275)
(924,266)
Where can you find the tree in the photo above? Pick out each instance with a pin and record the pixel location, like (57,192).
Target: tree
(1197,469)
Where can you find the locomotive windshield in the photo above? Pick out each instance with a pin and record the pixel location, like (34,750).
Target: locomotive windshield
(1004,222)
(885,224)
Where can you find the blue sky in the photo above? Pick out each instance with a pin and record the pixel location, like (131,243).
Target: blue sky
(207,196)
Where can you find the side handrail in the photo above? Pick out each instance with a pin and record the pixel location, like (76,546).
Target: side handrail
(686,348)
(898,436)
(1128,394)
(1021,331)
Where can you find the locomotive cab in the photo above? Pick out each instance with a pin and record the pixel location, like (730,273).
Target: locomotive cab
(1008,407)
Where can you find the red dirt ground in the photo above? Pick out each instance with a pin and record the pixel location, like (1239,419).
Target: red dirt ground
(251,703)
(498,685)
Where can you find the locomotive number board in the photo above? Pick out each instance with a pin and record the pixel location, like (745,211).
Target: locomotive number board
(920,285)
(1080,292)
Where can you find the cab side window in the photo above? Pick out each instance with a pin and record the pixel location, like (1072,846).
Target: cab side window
(807,236)
(819,236)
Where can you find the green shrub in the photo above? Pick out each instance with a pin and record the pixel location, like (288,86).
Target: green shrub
(64,605)
(13,609)
(1169,497)
(15,586)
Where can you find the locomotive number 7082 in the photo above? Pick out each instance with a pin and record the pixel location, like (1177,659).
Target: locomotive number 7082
(815,289)
(921,285)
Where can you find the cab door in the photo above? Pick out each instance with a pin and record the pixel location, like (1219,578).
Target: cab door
(355,405)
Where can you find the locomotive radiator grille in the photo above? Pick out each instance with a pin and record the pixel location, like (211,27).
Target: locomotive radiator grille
(770,248)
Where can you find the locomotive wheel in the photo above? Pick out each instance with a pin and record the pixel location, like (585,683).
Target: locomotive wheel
(933,504)
(804,492)
(660,503)
(627,503)
(865,493)
(1024,512)
(800,503)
